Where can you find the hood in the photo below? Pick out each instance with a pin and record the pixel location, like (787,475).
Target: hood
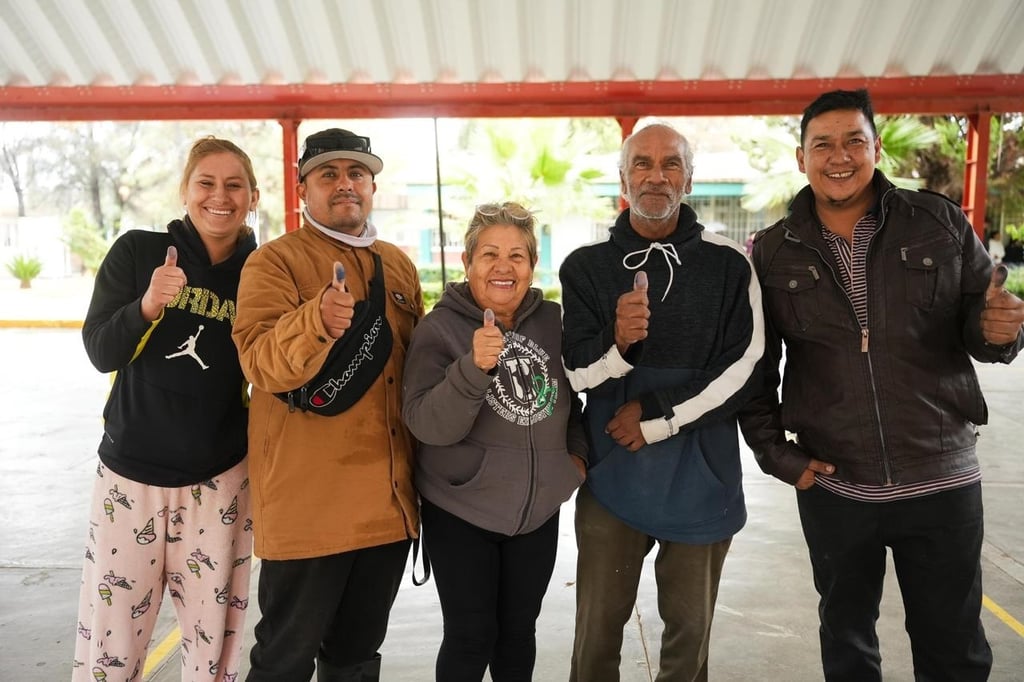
(626,238)
(192,249)
(458,298)
(641,253)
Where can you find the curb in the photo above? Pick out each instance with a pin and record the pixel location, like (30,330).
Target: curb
(41,324)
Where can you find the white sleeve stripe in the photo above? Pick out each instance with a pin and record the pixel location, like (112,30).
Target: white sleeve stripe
(608,366)
(728,382)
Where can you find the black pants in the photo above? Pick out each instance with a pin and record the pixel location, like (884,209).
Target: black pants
(333,608)
(936,549)
(491,587)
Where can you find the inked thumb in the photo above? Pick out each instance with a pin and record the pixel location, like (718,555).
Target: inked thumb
(172,256)
(339,277)
(488,318)
(640,281)
(999,274)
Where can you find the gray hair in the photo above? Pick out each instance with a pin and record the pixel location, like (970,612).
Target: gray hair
(505,213)
(687,147)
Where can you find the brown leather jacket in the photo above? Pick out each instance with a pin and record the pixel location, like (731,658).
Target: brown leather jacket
(898,402)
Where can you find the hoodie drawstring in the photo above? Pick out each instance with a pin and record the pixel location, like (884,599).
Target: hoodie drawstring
(667,250)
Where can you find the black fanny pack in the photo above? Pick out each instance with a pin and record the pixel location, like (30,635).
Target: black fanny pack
(354,361)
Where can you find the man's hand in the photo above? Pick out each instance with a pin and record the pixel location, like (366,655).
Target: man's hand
(806,479)
(488,342)
(632,314)
(624,427)
(167,282)
(337,305)
(1003,315)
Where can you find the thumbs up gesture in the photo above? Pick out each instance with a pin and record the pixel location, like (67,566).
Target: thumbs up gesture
(1003,316)
(337,305)
(164,285)
(632,314)
(488,342)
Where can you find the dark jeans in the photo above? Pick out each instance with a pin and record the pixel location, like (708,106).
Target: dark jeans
(936,549)
(333,608)
(491,587)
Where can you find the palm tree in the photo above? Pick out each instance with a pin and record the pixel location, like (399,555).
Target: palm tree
(545,164)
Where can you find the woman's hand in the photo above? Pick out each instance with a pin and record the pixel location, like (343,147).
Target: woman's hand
(166,283)
(488,342)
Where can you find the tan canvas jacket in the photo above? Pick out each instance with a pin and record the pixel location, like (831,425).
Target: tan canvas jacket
(323,485)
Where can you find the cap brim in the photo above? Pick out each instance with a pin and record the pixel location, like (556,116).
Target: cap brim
(371,161)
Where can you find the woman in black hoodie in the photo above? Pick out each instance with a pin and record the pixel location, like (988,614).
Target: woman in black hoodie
(501,448)
(170,503)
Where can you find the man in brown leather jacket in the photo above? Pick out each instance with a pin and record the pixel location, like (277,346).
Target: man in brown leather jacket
(882,296)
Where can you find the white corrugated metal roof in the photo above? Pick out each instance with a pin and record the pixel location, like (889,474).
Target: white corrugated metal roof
(275,42)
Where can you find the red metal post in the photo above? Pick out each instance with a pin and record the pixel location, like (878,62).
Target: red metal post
(976,171)
(290,154)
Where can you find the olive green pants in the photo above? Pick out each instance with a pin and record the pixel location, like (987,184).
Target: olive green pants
(610,555)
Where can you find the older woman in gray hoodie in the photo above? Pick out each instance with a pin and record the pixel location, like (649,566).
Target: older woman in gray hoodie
(501,448)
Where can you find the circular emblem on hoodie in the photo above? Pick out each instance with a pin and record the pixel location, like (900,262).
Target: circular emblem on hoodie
(523,391)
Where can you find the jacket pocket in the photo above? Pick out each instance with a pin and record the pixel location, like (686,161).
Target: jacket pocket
(932,273)
(793,296)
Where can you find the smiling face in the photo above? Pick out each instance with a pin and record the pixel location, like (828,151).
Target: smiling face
(655,176)
(838,155)
(339,195)
(218,196)
(500,270)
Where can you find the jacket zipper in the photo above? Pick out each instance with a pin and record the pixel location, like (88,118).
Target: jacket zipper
(864,343)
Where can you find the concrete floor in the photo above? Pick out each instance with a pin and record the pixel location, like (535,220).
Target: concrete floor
(765,625)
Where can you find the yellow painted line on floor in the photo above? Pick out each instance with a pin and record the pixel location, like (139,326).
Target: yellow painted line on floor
(41,324)
(1002,615)
(162,651)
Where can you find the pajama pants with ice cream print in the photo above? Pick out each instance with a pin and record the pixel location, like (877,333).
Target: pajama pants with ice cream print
(194,540)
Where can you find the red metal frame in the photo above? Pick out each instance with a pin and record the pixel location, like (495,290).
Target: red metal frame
(931,94)
(976,96)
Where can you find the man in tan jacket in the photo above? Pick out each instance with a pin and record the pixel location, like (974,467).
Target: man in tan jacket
(333,502)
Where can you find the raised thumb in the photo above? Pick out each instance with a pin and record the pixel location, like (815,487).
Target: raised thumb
(999,274)
(488,318)
(172,256)
(640,281)
(339,276)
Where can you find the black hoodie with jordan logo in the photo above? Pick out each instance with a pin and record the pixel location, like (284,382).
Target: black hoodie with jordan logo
(178,408)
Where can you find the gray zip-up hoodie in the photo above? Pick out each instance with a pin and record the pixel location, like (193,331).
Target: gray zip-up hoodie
(494,446)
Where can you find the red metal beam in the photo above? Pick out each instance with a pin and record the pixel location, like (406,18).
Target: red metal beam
(928,94)
(290,155)
(976,171)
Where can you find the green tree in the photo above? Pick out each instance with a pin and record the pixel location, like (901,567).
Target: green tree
(105,177)
(546,164)
(84,240)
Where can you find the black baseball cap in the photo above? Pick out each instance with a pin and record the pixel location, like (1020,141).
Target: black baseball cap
(335,143)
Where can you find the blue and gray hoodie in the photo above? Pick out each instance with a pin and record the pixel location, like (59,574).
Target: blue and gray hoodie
(690,375)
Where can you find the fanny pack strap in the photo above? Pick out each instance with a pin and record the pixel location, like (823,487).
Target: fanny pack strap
(426,560)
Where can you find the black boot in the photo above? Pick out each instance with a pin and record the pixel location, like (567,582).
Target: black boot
(367,671)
